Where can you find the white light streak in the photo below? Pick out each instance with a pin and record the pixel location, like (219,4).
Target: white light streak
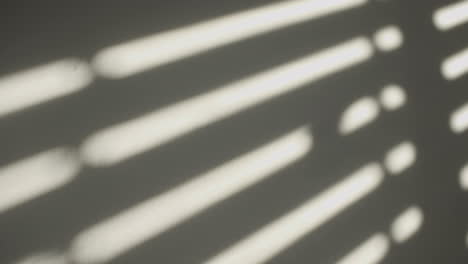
(459,119)
(134,226)
(142,54)
(450,16)
(127,139)
(400,157)
(45,258)
(388,38)
(407,224)
(372,251)
(38,85)
(455,65)
(285,231)
(464,178)
(358,114)
(36,175)
(392,97)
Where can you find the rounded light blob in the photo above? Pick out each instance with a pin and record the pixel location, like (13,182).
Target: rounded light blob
(392,97)
(388,38)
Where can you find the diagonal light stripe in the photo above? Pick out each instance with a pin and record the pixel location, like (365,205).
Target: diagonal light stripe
(142,54)
(47,257)
(456,65)
(124,140)
(360,113)
(463,177)
(459,119)
(41,84)
(134,226)
(451,16)
(400,157)
(270,240)
(36,175)
(407,224)
(372,251)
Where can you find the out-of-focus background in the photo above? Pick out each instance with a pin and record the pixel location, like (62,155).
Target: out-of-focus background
(253,131)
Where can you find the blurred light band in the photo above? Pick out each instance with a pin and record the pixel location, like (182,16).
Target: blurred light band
(459,119)
(407,224)
(464,177)
(455,65)
(134,226)
(124,140)
(142,54)
(372,251)
(41,84)
(47,257)
(36,175)
(360,113)
(450,16)
(270,240)
(400,157)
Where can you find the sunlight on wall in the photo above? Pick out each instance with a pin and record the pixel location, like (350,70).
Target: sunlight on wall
(151,51)
(273,238)
(115,142)
(43,83)
(31,177)
(133,226)
(374,249)
(124,140)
